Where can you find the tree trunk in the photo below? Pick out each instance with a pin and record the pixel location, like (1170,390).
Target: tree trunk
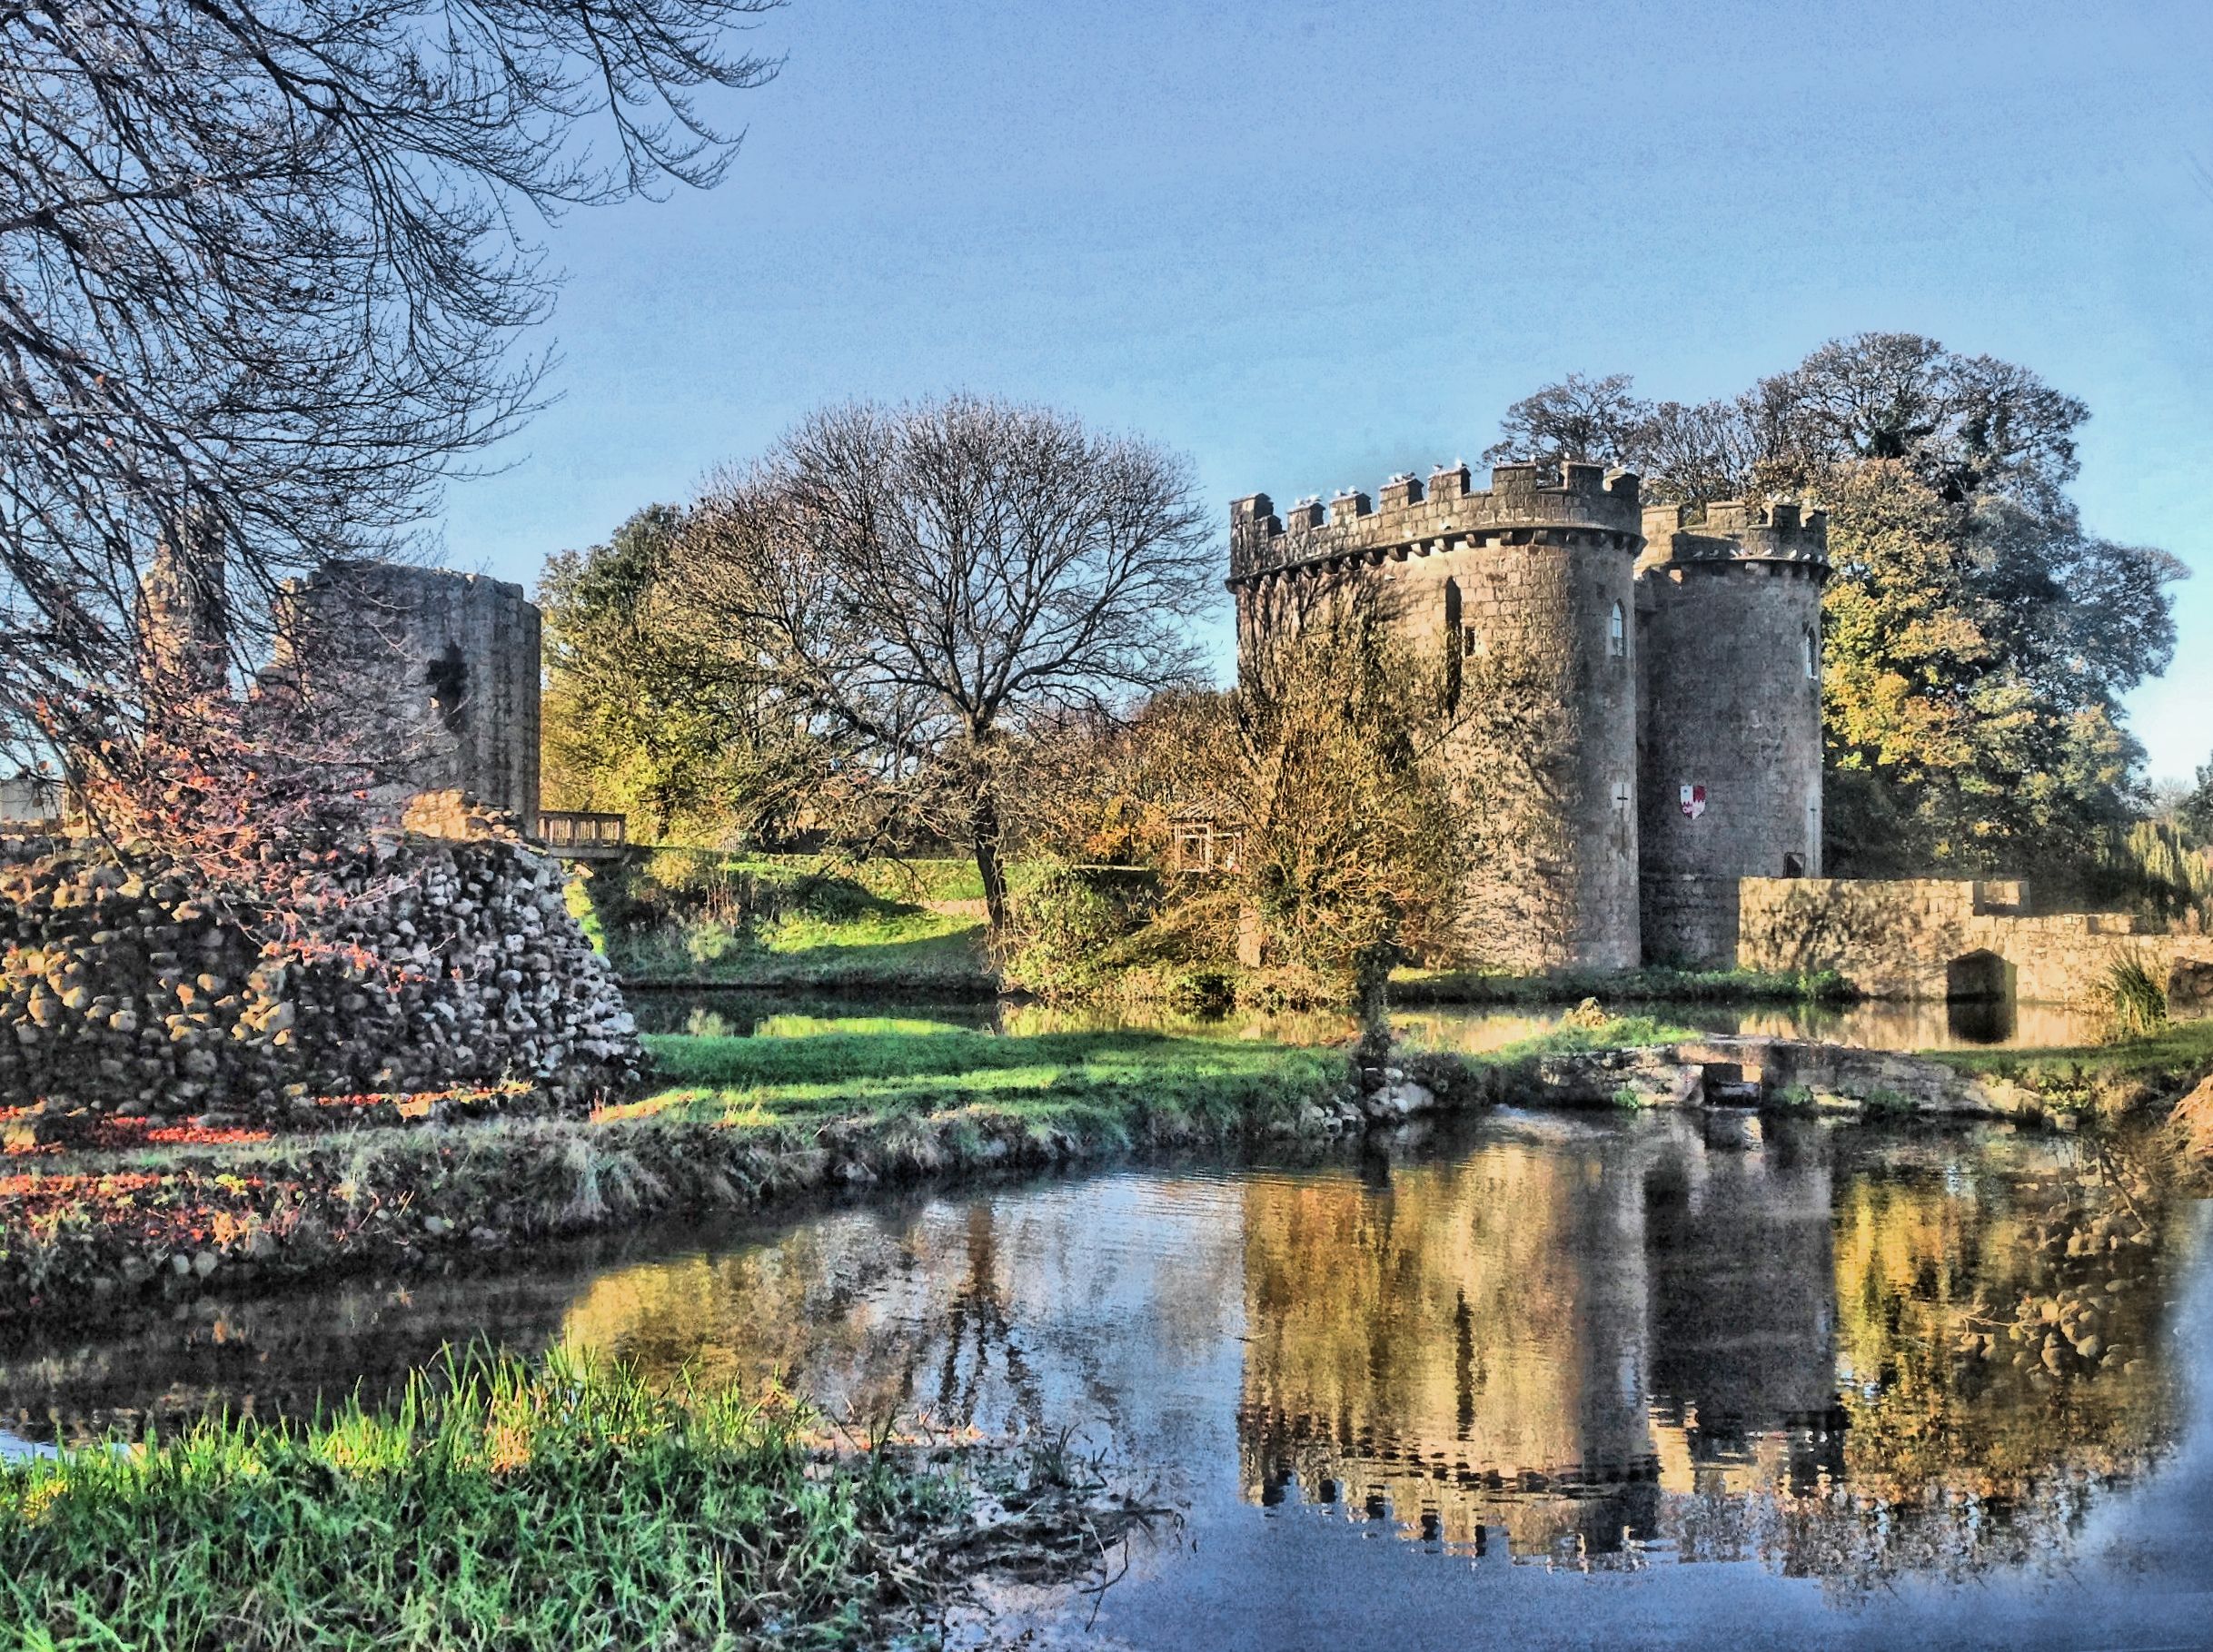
(1371,987)
(984,826)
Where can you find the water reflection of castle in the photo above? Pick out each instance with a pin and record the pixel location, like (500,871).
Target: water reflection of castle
(1546,1337)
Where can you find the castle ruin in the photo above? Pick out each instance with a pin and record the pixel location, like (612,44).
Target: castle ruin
(439,672)
(1670,658)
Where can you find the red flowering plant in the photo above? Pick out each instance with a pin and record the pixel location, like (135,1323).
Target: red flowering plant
(260,810)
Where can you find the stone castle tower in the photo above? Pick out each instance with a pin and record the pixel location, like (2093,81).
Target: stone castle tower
(1729,717)
(1675,672)
(441,668)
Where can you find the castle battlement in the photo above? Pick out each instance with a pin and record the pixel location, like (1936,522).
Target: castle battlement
(1676,695)
(1567,503)
(1736,532)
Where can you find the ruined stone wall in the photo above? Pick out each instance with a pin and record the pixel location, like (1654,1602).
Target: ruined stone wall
(441,669)
(440,964)
(1903,938)
(1529,587)
(1730,719)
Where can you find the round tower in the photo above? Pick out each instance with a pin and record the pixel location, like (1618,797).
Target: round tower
(1527,592)
(1730,615)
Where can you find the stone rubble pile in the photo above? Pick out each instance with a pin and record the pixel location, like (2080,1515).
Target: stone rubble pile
(438,965)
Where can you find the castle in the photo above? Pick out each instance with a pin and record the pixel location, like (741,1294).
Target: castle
(437,671)
(1669,663)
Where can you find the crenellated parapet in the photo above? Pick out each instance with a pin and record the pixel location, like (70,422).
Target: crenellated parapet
(1564,504)
(1776,533)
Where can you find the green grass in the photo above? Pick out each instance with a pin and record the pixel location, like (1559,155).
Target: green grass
(1120,1085)
(2135,1004)
(497,1506)
(1656,984)
(893,949)
(1107,1088)
(1612,1032)
(2180,1049)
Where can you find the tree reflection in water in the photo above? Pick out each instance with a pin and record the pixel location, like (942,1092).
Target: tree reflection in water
(1596,1341)
(1846,1357)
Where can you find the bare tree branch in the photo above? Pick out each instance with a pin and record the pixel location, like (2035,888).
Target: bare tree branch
(921,580)
(262,270)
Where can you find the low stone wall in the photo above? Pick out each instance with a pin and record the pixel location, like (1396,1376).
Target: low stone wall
(1936,938)
(1730,1073)
(1689,919)
(445,965)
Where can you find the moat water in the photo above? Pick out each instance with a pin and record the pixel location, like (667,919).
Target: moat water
(1538,1380)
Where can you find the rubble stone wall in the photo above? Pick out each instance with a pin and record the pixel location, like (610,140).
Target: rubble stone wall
(437,965)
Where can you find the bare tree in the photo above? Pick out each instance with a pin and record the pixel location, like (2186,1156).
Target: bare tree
(918,580)
(261,266)
(1594,421)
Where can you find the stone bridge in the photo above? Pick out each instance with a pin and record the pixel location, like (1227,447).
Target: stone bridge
(1946,938)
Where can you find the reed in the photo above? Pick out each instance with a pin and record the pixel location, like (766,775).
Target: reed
(499,1504)
(2135,1004)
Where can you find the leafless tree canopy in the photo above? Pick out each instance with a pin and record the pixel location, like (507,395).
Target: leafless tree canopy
(261,264)
(918,581)
(1968,425)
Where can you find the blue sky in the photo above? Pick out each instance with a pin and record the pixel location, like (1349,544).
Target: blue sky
(1310,246)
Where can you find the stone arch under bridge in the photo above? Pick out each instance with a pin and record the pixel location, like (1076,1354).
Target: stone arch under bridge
(1981,976)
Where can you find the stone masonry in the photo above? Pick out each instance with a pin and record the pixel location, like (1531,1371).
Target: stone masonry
(1729,623)
(1938,938)
(441,667)
(1685,676)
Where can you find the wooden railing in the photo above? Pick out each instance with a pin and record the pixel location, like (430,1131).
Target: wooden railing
(581,833)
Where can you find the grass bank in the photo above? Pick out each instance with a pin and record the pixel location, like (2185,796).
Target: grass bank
(700,917)
(2110,1079)
(1117,1087)
(893,950)
(505,1506)
(732,1123)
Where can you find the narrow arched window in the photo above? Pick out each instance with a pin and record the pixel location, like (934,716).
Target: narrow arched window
(1617,633)
(1812,647)
(1454,645)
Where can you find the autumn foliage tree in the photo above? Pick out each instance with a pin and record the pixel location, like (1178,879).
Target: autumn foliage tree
(1980,640)
(1355,835)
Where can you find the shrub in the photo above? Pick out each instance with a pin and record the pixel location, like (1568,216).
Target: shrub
(1060,927)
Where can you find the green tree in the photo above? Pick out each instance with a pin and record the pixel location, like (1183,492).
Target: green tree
(642,717)
(1951,741)
(1979,638)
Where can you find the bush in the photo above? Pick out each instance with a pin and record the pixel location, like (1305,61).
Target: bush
(1061,926)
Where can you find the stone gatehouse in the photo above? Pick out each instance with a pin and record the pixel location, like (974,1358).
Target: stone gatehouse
(1676,659)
